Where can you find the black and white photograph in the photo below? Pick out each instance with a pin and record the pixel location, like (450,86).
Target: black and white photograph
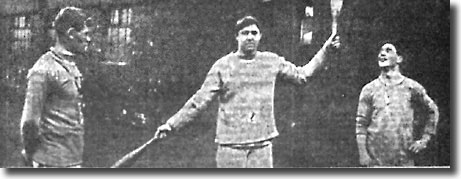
(226,84)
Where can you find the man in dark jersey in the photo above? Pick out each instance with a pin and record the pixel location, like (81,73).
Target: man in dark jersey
(52,120)
(244,82)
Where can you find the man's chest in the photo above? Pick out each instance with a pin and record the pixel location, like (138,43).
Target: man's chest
(398,97)
(67,84)
(253,75)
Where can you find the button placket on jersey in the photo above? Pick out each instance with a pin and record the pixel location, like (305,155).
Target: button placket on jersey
(387,99)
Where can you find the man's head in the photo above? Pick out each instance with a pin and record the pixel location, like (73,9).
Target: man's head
(388,56)
(73,27)
(247,34)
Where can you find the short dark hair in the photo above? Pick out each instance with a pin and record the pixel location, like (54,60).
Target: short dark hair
(70,17)
(401,50)
(244,22)
(397,44)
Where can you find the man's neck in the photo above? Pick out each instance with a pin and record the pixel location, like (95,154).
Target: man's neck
(246,55)
(391,75)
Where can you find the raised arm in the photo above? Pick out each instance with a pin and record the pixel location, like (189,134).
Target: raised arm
(32,111)
(300,74)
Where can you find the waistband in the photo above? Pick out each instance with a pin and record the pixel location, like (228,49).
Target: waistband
(248,145)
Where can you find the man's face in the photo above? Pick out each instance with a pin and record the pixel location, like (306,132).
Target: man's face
(388,56)
(80,40)
(248,39)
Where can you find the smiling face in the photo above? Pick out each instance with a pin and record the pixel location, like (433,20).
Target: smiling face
(388,56)
(248,39)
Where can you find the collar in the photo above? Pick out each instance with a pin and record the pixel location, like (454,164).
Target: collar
(60,50)
(62,55)
(242,56)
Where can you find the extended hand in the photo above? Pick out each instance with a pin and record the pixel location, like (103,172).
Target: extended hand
(332,42)
(418,146)
(335,43)
(162,131)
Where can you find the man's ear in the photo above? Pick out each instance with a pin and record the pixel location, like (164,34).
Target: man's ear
(399,59)
(71,33)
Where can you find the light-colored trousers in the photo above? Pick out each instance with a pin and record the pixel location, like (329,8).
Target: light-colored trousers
(229,156)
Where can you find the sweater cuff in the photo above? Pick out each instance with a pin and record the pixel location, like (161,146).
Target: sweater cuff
(360,130)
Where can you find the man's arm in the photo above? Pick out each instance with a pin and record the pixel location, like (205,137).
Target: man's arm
(32,111)
(300,74)
(362,121)
(319,58)
(422,98)
(197,103)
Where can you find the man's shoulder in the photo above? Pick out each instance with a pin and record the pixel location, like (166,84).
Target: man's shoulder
(370,87)
(411,81)
(412,84)
(44,64)
(45,61)
(375,83)
(224,61)
(227,57)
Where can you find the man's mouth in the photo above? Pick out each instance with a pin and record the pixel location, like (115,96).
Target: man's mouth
(382,59)
(250,44)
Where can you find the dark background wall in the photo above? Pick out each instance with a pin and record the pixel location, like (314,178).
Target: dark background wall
(176,42)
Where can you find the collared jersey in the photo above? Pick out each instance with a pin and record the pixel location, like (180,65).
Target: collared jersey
(53,98)
(386,114)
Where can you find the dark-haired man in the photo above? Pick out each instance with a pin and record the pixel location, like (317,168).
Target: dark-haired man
(52,120)
(243,82)
(386,115)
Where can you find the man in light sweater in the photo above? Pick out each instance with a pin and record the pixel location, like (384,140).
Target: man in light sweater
(386,119)
(244,82)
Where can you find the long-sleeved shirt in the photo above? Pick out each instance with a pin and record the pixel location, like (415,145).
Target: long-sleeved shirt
(246,95)
(386,116)
(53,103)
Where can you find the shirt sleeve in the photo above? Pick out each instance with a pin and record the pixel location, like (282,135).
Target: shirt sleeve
(299,75)
(33,107)
(200,100)
(427,104)
(364,111)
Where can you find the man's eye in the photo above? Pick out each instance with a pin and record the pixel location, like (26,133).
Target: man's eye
(254,32)
(245,32)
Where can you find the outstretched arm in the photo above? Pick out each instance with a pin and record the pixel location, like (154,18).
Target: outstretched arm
(197,103)
(300,74)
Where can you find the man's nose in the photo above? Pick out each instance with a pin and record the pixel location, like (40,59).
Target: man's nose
(251,36)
